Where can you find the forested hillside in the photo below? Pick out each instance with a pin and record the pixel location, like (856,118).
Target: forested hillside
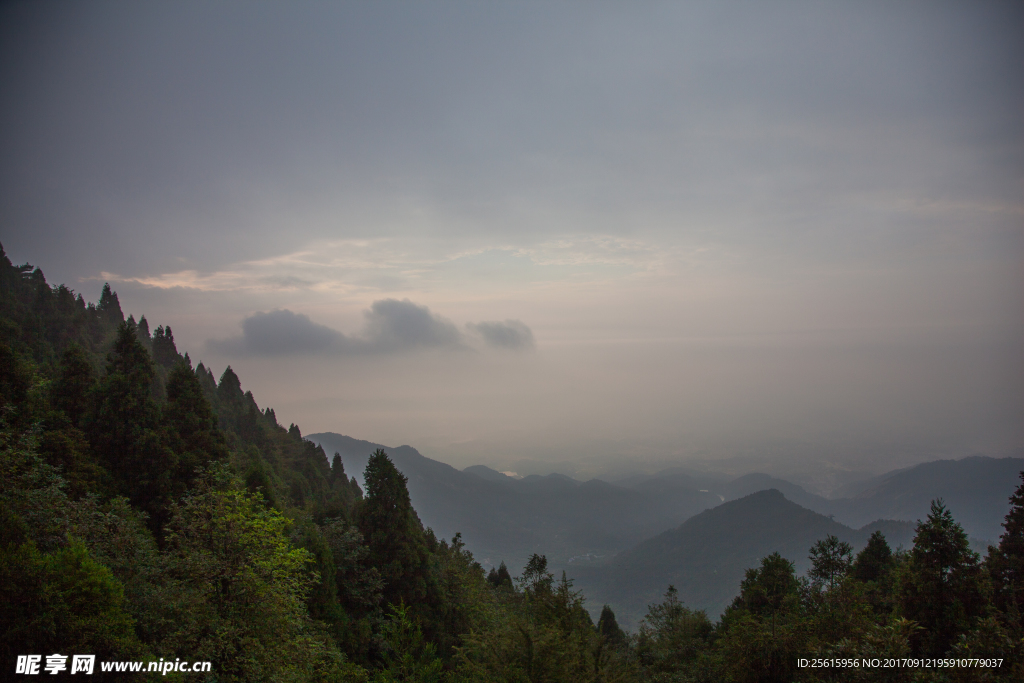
(153,510)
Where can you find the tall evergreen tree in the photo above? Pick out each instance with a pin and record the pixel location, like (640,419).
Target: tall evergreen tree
(165,353)
(124,410)
(1006,562)
(124,426)
(109,307)
(874,561)
(394,533)
(75,380)
(500,577)
(943,589)
(671,638)
(769,589)
(193,428)
(609,628)
(142,329)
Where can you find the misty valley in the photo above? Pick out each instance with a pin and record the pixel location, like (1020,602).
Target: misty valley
(154,511)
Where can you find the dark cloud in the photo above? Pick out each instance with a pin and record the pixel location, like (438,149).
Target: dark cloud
(510,334)
(392,326)
(281,332)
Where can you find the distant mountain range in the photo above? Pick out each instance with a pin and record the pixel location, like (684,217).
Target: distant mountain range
(706,556)
(975,489)
(506,519)
(612,538)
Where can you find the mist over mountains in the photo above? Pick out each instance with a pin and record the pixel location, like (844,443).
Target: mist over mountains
(625,542)
(705,558)
(506,519)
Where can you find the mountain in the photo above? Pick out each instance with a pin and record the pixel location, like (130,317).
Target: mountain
(507,519)
(485,472)
(756,481)
(706,556)
(975,490)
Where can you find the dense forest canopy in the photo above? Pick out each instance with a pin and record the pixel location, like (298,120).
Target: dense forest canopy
(152,510)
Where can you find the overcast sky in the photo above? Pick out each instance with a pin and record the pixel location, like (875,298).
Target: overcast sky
(548,230)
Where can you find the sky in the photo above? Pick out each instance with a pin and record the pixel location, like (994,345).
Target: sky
(524,234)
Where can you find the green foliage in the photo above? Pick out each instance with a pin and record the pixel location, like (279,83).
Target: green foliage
(674,641)
(241,589)
(608,628)
(770,589)
(62,601)
(875,561)
(830,561)
(165,353)
(1006,562)
(394,535)
(540,632)
(407,656)
(54,594)
(74,383)
(764,630)
(943,588)
(500,578)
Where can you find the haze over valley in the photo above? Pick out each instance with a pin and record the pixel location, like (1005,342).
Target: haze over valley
(395,312)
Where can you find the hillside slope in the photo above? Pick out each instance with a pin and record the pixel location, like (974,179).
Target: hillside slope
(705,557)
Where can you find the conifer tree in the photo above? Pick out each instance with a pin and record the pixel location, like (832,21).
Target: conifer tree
(109,307)
(874,561)
(143,331)
(1006,562)
(124,411)
(499,577)
(75,380)
(394,534)
(165,353)
(193,428)
(229,389)
(943,589)
(608,628)
(770,589)
(338,470)
(671,638)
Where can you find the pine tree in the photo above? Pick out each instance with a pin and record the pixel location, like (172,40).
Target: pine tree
(1006,562)
(75,380)
(109,307)
(672,637)
(943,589)
(875,561)
(192,427)
(229,389)
(165,353)
(394,534)
(608,628)
(124,411)
(770,589)
(338,470)
(123,428)
(500,577)
(143,331)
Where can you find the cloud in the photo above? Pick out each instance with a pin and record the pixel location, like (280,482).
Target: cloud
(510,334)
(392,326)
(281,332)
